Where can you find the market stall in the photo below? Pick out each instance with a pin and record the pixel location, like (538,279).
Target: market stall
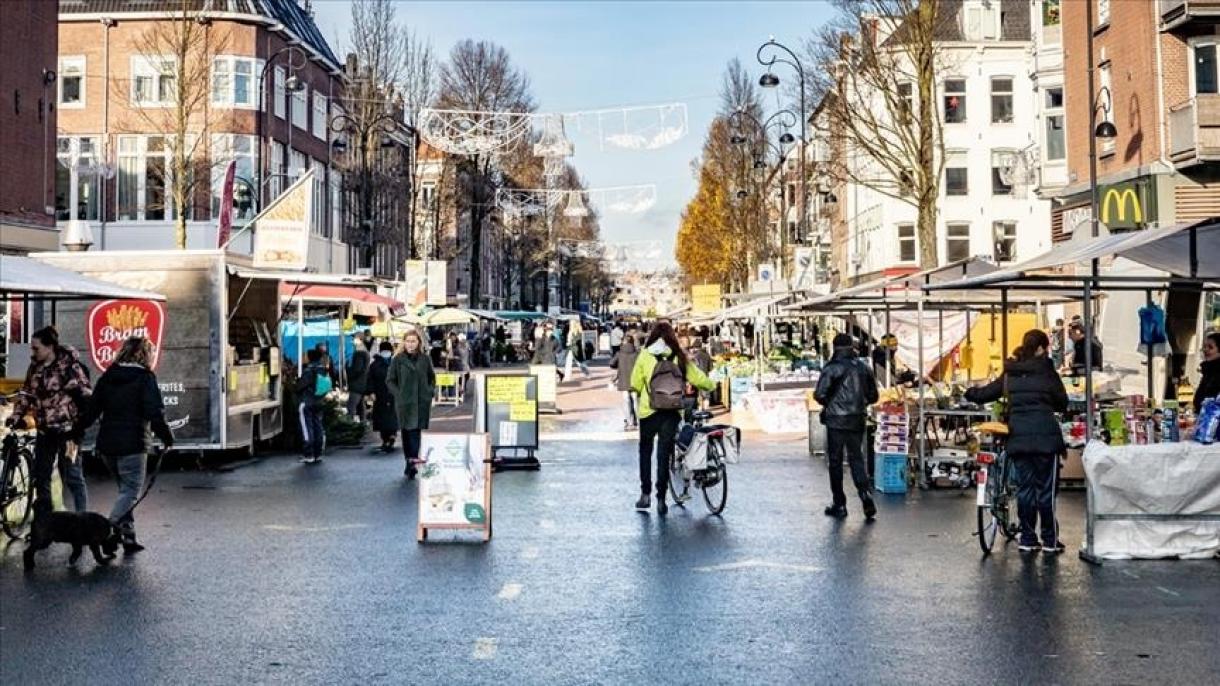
(1126,493)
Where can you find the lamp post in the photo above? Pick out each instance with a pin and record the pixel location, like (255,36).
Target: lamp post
(770,80)
(291,85)
(361,131)
(785,118)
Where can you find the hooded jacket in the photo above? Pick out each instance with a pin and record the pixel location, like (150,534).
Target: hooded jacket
(623,364)
(846,388)
(1209,384)
(57,390)
(1035,394)
(128,401)
(646,363)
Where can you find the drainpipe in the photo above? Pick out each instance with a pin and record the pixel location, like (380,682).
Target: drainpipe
(1162,153)
(107,24)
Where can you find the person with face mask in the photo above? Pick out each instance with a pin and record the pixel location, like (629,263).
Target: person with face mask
(385,421)
(412,381)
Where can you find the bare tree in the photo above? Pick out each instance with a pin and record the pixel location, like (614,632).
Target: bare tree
(170,94)
(874,87)
(418,88)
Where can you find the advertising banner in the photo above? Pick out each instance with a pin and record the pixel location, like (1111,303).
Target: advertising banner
(225,224)
(281,231)
(111,322)
(454,483)
(705,299)
(426,283)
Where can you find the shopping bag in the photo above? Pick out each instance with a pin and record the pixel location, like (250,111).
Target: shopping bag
(696,453)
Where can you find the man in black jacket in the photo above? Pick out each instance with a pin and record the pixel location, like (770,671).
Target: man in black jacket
(845,389)
(357,380)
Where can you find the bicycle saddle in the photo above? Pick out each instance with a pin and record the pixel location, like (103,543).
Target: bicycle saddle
(701,416)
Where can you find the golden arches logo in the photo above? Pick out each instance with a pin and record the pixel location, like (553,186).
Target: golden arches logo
(1121,198)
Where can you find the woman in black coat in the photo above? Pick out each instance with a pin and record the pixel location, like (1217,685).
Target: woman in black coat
(385,420)
(1035,440)
(1209,384)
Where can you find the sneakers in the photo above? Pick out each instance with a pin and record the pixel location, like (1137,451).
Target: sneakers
(309,460)
(644,503)
(410,471)
(1029,547)
(836,511)
(870,508)
(1054,548)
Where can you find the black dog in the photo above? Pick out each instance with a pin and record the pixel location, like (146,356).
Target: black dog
(78,528)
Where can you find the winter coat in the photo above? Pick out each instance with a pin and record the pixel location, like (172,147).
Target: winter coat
(412,381)
(384,417)
(623,363)
(546,351)
(1035,394)
(57,392)
(846,387)
(308,382)
(641,376)
(128,401)
(358,372)
(1209,385)
(1078,356)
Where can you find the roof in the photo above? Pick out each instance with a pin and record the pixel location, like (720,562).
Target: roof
(1014,22)
(24,276)
(287,12)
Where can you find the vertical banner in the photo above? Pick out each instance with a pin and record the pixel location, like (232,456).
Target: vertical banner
(281,231)
(426,283)
(225,228)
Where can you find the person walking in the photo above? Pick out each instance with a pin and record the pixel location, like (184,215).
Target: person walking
(659,379)
(616,338)
(412,381)
(845,389)
(576,346)
(623,363)
(546,349)
(128,402)
(357,380)
(312,387)
(385,421)
(56,390)
(1209,383)
(1034,393)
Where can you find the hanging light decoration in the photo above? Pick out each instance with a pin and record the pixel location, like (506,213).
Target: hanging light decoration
(576,207)
(553,142)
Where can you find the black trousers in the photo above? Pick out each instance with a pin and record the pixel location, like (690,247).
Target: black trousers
(388,437)
(48,451)
(851,442)
(661,425)
(410,444)
(1036,486)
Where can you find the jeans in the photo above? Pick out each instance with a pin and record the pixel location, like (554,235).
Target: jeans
(1036,486)
(410,444)
(661,425)
(313,434)
(629,416)
(129,473)
(838,442)
(49,452)
(355,405)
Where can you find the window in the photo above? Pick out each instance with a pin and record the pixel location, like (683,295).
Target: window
(956,173)
(1055,146)
(319,115)
(427,192)
(72,82)
(957,242)
(1004,235)
(279,92)
(955,101)
(154,81)
(1002,162)
(1103,12)
(145,180)
(275,177)
(906,100)
(233,81)
(336,203)
(229,148)
(318,191)
(298,163)
(906,242)
(1001,100)
(1106,104)
(300,108)
(981,20)
(81,153)
(1052,32)
(1204,64)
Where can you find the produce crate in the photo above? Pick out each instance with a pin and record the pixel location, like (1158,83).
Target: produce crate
(891,472)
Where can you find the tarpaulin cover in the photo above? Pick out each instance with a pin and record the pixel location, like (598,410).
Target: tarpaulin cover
(328,332)
(1164,478)
(37,280)
(905,325)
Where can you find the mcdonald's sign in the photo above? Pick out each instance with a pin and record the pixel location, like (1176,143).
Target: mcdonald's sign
(1127,205)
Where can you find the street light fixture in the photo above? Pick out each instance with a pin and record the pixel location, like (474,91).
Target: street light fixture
(361,131)
(769,80)
(737,139)
(292,85)
(760,170)
(1106,130)
(787,138)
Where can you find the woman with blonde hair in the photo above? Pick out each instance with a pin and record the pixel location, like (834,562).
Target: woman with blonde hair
(412,381)
(128,402)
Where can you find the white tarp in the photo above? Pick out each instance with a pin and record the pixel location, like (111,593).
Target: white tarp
(905,325)
(39,280)
(1165,478)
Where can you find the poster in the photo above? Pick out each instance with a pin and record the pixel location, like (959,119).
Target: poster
(548,379)
(111,322)
(453,487)
(705,298)
(426,283)
(446,379)
(281,231)
(511,409)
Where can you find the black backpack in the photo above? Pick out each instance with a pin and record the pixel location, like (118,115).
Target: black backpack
(667,386)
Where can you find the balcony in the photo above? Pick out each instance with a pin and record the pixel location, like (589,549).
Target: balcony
(1178,13)
(1194,131)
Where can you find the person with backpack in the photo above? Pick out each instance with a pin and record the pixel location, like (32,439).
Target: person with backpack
(56,391)
(128,401)
(412,381)
(357,380)
(315,383)
(845,389)
(659,380)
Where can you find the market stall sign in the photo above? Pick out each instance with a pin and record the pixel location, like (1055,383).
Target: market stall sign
(512,410)
(446,380)
(111,322)
(281,232)
(705,298)
(454,483)
(1127,205)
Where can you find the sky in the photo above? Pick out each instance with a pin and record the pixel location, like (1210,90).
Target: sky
(583,55)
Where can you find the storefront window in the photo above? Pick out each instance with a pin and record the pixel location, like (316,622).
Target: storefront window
(82,153)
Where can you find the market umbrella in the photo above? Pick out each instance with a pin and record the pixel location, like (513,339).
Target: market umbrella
(393,328)
(449,316)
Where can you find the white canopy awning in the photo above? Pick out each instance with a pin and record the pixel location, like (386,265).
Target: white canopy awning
(27,277)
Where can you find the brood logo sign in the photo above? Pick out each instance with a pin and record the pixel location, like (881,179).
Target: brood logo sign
(113,321)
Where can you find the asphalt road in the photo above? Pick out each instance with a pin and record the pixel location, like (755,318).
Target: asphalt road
(284,573)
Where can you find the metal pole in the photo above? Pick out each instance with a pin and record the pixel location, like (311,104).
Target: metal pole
(889,381)
(1148,354)
(920,423)
(1003,325)
(1087,554)
(300,335)
(1093,220)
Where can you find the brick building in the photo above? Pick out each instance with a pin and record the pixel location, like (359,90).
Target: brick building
(1156,81)
(28,90)
(268,84)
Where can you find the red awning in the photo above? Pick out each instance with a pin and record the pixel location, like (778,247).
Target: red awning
(364,303)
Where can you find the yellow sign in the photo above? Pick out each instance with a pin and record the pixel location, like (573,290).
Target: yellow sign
(445,380)
(1127,205)
(505,389)
(705,299)
(1121,199)
(522,411)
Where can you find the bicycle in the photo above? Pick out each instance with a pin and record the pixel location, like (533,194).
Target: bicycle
(996,498)
(16,484)
(713,479)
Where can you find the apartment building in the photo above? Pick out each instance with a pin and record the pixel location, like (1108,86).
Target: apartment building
(1156,81)
(263,87)
(28,88)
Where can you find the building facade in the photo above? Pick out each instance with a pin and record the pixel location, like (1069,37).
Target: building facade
(29,89)
(263,86)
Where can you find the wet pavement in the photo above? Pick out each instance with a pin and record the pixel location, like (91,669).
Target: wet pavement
(282,573)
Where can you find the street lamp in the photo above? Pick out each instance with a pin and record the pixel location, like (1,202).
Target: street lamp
(770,80)
(291,85)
(760,170)
(361,132)
(785,118)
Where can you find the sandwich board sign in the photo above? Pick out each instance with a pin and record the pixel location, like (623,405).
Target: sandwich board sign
(454,483)
(511,413)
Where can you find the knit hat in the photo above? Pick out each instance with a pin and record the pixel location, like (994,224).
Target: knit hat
(844,341)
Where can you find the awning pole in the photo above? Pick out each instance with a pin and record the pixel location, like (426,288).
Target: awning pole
(1003,325)
(300,337)
(1087,554)
(1148,352)
(889,381)
(920,423)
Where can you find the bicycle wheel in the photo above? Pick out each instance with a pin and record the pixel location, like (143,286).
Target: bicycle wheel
(16,495)
(1005,504)
(679,482)
(715,481)
(988,523)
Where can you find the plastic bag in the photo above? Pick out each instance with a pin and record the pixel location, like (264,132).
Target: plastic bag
(1208,422)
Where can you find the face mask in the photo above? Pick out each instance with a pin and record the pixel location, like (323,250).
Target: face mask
(385,353)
